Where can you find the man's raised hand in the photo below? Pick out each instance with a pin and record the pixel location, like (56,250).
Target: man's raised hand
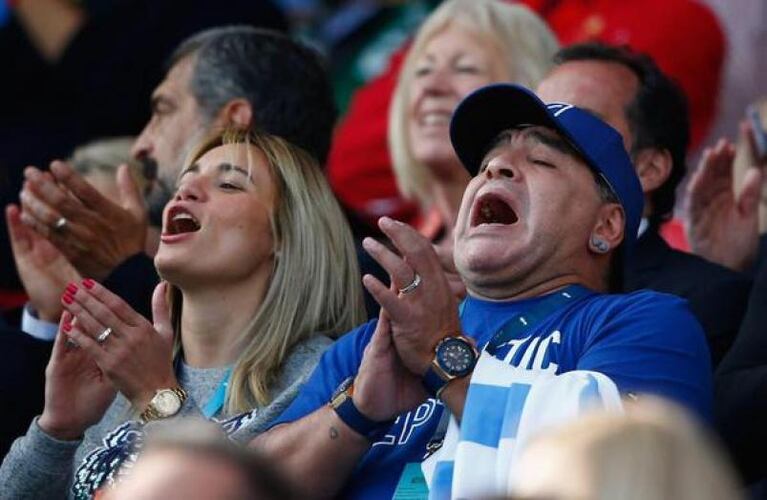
(93,232)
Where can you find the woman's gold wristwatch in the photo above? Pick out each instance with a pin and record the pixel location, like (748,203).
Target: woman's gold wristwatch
(164,404)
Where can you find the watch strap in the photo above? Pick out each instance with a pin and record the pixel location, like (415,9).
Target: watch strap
(434,382)
(151,413)
(348,413)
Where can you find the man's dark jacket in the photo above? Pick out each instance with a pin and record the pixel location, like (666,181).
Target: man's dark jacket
(717,295)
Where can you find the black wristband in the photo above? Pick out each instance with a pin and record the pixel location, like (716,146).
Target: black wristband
(347,411)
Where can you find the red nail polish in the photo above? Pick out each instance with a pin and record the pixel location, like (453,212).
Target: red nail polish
(67,327)
(71,289)
(67,298)
(88,283)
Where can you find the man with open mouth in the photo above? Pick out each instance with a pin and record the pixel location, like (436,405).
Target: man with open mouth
(544,228)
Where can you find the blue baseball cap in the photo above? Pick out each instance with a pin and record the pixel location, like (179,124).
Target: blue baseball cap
(490,110)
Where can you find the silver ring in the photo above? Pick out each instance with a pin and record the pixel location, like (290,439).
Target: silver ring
(412,285)
(60,224)
(104,335)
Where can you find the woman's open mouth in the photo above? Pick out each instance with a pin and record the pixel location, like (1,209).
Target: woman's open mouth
(179,221)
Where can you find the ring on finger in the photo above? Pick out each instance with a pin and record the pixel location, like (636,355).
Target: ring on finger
(410,287)
(103,336)
(60,224)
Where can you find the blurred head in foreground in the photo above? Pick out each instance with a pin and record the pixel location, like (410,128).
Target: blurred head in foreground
(653,452)
(193,460)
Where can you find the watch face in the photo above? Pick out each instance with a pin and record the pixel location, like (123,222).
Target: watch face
(166,402)
(339,395)
(456,356)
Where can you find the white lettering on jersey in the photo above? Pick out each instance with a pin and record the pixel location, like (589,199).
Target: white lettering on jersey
(534,350)
(418,417)
(543,346)
(515,345)
(412,420)
(529,352)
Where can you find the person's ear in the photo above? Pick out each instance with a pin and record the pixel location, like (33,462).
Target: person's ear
(236,113)
(607,233)
(653,166)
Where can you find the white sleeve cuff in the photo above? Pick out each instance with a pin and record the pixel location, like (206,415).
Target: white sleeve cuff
(36,327)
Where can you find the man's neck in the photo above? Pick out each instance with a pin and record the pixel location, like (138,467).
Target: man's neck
(213,320)
(528,289)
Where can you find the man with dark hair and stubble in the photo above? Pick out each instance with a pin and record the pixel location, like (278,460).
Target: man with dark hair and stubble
(631,93)
(223,77)
(232,76)
(236,76)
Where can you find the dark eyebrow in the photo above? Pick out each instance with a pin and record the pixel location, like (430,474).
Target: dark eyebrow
(222,168)
(552,141)
(429,57)
(228,167)
(502,138)
(158,99)
(194,167)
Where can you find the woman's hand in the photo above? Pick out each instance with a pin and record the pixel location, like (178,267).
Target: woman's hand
(43,270)
(134,354)
(76,391)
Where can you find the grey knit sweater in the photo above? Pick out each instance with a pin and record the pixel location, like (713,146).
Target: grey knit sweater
(39,466)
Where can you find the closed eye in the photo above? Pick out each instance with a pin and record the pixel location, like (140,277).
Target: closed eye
(471,70)
(541,162)
(422,71)
(231,187)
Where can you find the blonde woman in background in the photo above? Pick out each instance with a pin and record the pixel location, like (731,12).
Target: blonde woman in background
(654,451)
(261,273)
(462,45)
(97,161)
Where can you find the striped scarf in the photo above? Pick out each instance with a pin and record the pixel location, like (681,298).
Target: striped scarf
(506,407)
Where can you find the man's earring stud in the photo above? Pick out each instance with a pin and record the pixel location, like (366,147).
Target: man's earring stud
(600,245)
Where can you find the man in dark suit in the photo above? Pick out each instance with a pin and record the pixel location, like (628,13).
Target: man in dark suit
(628,91)
(741,389)
(724,226)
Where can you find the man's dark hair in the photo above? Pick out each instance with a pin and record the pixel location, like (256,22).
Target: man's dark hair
(658,116)
(285,82)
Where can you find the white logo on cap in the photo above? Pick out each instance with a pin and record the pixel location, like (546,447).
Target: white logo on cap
(558,107)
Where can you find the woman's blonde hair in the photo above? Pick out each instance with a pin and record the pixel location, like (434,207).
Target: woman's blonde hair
(653,452)
(521,37)
(315,283)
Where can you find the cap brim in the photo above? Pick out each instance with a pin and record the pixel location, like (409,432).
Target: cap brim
(487,112)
